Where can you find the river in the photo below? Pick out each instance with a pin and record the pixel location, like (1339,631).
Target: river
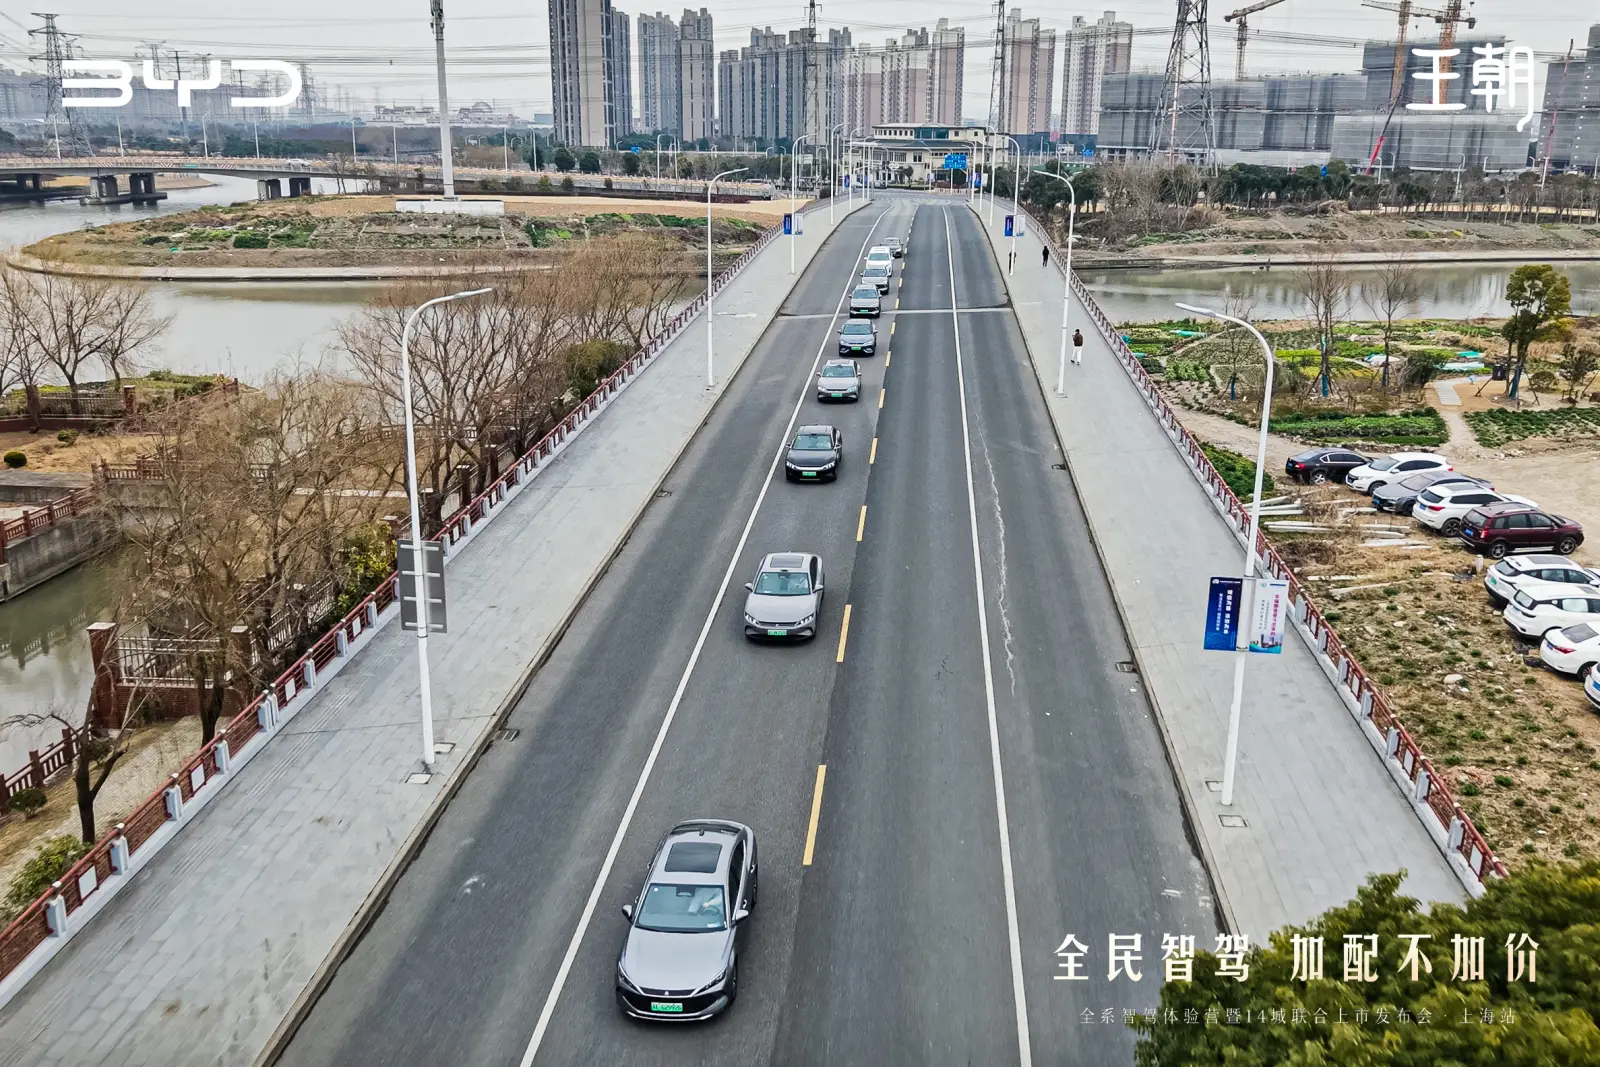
(247,329)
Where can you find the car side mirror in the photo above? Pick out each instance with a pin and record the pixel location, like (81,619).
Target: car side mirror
(749,587)
(740,914)
(627,911)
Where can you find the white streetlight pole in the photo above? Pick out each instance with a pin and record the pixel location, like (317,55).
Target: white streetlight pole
(1016,203)
(353,149)
(794,216)
(505,147)
(1232,757)
(446,148)
(1066,300)
(205,144)
(833,165)
(711,375)
(416,521)
(120,150)
(257,127)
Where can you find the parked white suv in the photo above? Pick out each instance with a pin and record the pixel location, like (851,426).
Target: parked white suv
(1377,473)
(1512,573)
(1441,507)
(1540,607)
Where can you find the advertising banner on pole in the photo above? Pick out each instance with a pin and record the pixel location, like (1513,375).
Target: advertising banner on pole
(788,225)
(1272,612)
(1222,614)
(1008,226)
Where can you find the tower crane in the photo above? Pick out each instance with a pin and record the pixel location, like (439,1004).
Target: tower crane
(1243,15)
(1447,19)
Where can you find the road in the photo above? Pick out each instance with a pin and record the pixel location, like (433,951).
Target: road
(980,666)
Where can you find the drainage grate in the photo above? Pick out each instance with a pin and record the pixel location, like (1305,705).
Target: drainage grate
(506,733)
(1213,785)
(1232,820)
(1127,666)
(662,494)
(419,778)
(1058,466)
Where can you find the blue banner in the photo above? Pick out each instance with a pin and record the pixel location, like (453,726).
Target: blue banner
(788,225)
(1008,227)
(1223,607)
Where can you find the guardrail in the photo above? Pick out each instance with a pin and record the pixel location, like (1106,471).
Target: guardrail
(1426,787)
(32,521)
(128,845)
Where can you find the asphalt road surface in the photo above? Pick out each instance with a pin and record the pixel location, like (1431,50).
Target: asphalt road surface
(994,782)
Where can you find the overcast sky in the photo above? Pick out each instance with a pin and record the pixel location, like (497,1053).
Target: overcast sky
(499,49)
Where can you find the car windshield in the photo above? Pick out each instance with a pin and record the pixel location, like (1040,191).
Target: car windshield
(857,327)
(813,442)
(783,583)
(1382,464)
(866,292)
(1581,632)
(1475,517)
(834,371)
(682,908)
(1432,496)
(1307,457)
(1418,481)
(873,272)
(1524,600)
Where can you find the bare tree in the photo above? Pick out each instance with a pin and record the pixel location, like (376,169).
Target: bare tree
(1392,294)
(94,758)
(19,358)
(1325,288)
(1238,347)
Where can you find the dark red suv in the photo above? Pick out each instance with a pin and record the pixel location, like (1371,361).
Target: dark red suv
(1505,527)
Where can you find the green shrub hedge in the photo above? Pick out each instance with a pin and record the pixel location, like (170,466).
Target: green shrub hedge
(1238,471)
(1497,426)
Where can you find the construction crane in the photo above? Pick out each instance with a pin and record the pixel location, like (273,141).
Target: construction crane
(1243,15)
(1447,20)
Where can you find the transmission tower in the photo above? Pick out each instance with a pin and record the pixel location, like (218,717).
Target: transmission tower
(1185,126)
(812,120)
(57,50)
(997,71)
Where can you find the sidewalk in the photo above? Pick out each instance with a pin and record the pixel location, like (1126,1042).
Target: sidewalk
(1320,810)
(206,951)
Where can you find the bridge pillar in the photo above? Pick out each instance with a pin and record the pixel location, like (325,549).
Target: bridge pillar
(103,187)
(299,185)
(142,184)
(268,188)
(33,180)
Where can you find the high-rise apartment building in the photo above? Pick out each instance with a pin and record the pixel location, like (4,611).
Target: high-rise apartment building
(1029,82)
(1093,50)
(916,79)
(660,70)
(763,87)
(582,76)
(697,77)
(949,59)
(622,73)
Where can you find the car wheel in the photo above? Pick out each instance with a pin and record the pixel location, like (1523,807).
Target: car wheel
(1319,478)
(733,983)
(1583,671)
(1565,546)
(1498,549)
(1451,527)
(1375,486)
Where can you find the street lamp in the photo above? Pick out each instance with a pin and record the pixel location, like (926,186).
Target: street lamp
(1066,300)
(711,379)
(205,144)
(794,221)
(353,150)
(833,165)
(1232,757)
(446,146)
(659,136)
(256,126)
(1016,200)
(416,520)
(505,147)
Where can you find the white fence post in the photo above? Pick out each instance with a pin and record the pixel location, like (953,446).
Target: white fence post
(174,794)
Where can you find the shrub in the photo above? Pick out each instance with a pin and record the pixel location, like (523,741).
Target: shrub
(28,801)
(54,859)
(568,185)
(1238,471)
(67,437)
(15,459)
(250,239)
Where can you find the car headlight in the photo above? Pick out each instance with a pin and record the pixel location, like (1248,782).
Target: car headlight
(828,466)
(807,621)
(718,980)
(749,618)
(625,978)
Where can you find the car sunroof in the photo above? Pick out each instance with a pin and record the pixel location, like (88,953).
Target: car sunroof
(694,857)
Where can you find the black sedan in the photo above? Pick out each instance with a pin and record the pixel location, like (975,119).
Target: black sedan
(814,455)
(1322,465)
(1400,497)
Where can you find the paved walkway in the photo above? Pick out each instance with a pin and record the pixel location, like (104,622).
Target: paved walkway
(1321,812)
(202,956)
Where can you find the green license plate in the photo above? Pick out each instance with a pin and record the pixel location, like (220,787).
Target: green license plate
(808,474)
(836,395)
(665,1006)
(777,633)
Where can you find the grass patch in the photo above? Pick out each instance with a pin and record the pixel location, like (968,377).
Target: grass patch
(1238,471)
(1417,426)
(1499,426)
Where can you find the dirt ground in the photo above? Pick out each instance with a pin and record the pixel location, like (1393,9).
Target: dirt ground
(45,453)
(763,211)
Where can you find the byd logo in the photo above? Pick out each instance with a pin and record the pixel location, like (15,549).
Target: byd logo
(115,74)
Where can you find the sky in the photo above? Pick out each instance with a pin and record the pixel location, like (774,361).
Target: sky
(499,49)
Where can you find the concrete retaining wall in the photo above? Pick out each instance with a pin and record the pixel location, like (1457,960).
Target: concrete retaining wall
(58,547)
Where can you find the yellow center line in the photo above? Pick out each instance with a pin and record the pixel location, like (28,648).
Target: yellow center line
(886,355)
(861,523)
(873,458)
(881,393)
(816,812)
(844,634)
(891,329)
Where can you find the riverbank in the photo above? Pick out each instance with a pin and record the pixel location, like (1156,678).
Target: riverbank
(365,238)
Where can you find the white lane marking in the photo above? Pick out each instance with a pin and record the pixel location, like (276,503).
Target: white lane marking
(548,1011)
(1024,1043)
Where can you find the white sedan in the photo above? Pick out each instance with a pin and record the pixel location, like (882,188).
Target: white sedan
(1442,506)
(1512,573)
(1591,687)
(1574,650)
(1541,607)
(1375,474)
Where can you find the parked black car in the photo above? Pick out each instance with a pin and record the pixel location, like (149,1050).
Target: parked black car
(1322,465)
(1400,497)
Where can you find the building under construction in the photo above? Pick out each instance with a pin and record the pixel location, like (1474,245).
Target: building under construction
(1572,110)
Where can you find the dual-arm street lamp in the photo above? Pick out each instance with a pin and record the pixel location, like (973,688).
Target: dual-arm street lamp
(711,379)
(416,520)
(1232,757)
(1066,299)
(794,216)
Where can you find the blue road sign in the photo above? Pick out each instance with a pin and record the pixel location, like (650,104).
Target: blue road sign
(955,161)
(1088,150)
(1008,227)
(788,225)
(634,149)
(847,181)
(977,181)
(1222,614)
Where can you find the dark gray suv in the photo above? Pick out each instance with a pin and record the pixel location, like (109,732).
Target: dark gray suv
(680,961)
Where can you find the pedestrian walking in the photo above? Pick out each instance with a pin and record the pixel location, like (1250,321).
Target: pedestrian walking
(1077,347)
(1045,262)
